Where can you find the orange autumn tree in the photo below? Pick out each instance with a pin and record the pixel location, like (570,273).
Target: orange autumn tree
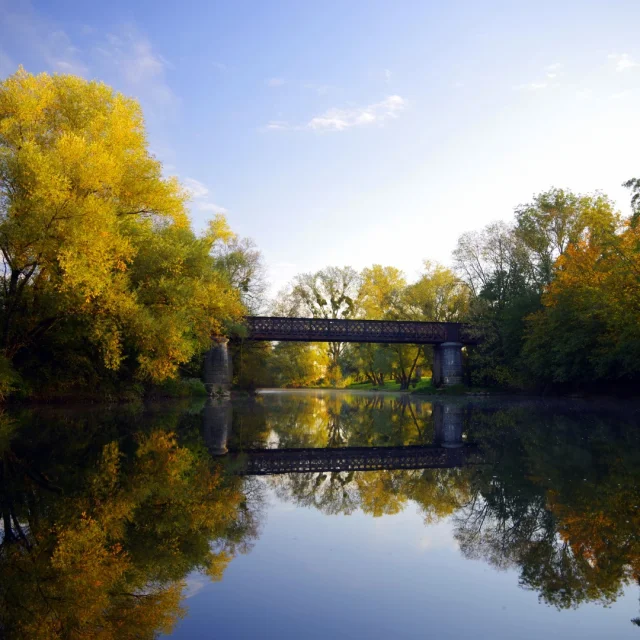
(588,329)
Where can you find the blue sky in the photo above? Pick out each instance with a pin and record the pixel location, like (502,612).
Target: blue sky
(359,132)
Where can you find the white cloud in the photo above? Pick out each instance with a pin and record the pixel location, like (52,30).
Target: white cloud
(341,119)
(211,206)
(556,66)
(195,188)
(274,82)
(195,583)
(199,193)
(623,61)
(277,125)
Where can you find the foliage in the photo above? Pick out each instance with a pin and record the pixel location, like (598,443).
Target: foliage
(298,364)
(513,270)
(103,278)
(328,293)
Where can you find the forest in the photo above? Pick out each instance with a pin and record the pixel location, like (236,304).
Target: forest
(107,289)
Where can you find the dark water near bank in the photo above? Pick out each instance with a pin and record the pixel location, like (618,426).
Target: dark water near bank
(321,515)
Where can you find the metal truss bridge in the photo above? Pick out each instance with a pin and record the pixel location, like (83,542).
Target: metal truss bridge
(282,329)
(265,462)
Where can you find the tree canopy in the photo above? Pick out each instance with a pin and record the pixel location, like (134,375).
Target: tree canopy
(103,277)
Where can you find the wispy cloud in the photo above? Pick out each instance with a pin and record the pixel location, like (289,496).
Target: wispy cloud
(200,196)
(195,188)
(142,68)
(52,45)
(274,82)
(278,125)
(387,76)
(343,119)
(220,66)
(623,61)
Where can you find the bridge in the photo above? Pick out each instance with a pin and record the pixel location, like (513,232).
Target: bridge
(266,462)
(447,338)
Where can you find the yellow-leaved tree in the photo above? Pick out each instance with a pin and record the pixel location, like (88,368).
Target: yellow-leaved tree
(102,272)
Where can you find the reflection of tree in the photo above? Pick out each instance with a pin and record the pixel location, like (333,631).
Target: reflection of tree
(437,492)
(556,498)
(560,503)
(101,526)
(332,420)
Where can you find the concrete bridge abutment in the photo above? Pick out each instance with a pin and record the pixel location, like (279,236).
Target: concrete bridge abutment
(447,364)
(218,373)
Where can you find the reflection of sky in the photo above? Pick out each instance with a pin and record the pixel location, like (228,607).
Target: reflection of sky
(315,576)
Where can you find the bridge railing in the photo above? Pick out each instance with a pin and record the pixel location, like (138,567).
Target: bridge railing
(337,330)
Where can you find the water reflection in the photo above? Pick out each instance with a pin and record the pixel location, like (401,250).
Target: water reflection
(105,513)
(102,521)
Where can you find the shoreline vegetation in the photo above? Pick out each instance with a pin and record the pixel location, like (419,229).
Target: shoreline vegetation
(108,293)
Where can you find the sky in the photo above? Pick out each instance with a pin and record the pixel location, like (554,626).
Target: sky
(359,132)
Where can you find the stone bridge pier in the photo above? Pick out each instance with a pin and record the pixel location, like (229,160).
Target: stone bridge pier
(447,364)
(217,368)
(217,420)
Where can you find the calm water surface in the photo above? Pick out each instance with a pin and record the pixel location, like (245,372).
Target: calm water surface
(321,515)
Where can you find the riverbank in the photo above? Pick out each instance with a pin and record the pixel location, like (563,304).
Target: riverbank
(424,388)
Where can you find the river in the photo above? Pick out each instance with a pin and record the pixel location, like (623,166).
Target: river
(321,514)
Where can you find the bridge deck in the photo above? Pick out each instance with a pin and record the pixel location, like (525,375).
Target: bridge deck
(379,331)
(262,462)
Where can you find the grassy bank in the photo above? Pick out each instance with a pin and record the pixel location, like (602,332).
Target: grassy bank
(390,385)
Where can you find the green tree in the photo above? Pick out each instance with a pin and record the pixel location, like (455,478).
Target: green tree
(330,293)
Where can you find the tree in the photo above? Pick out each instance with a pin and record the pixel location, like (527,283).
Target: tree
(99,262)
(587,332)
(297,364)
(381,298)
(329,293)
(438,296)
(558,219)
(242,263)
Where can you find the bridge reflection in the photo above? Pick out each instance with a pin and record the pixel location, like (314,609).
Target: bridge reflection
(448,449)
